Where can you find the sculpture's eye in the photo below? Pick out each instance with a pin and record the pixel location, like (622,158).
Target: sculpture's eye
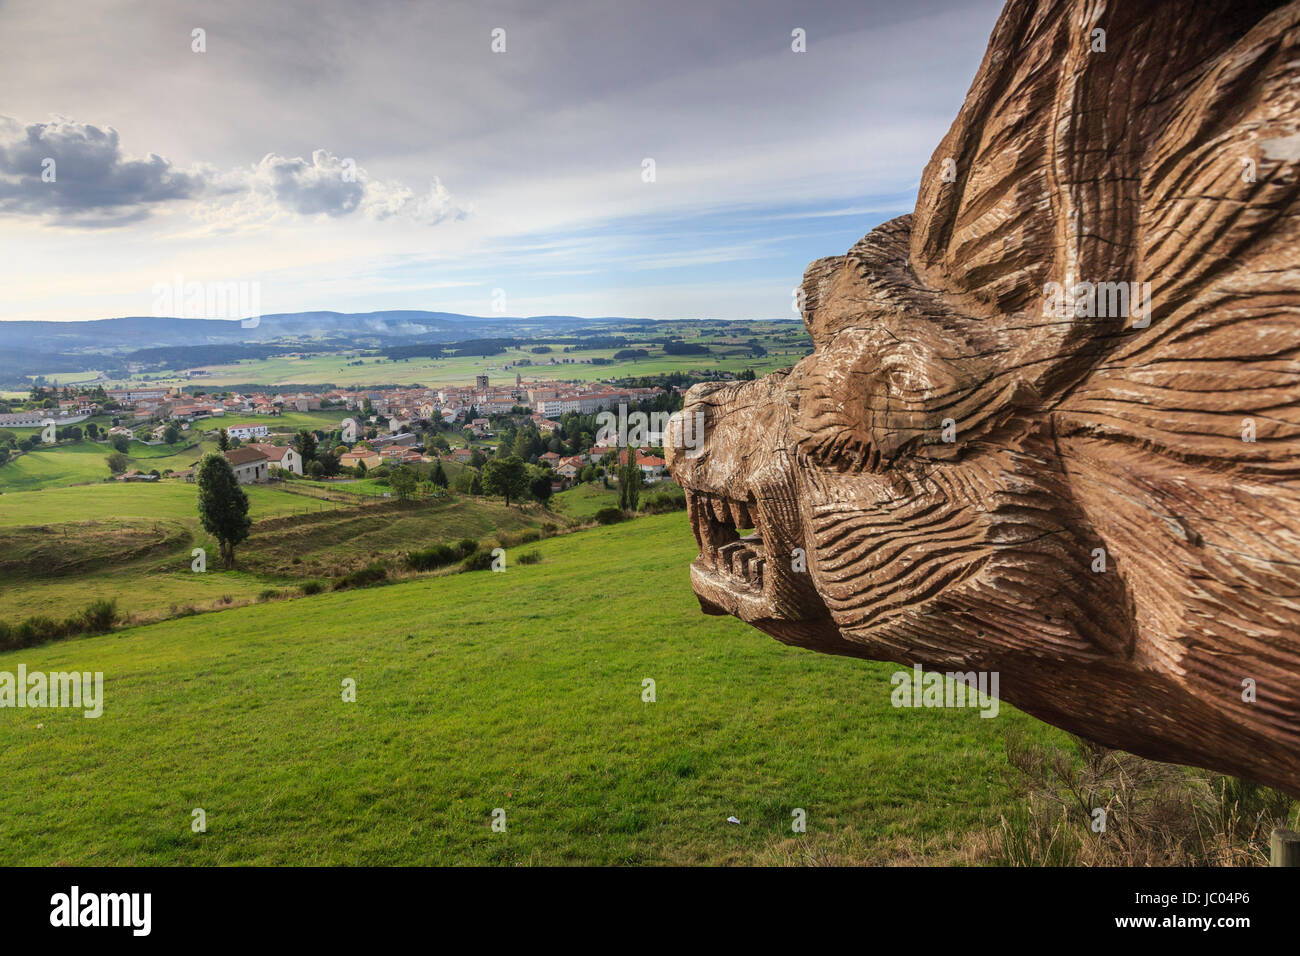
(866,401)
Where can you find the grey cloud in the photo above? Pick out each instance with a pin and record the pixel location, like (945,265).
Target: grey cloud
(95,184)
(336,186)
(321,185)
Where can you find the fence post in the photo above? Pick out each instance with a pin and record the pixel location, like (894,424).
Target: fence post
(1284,848)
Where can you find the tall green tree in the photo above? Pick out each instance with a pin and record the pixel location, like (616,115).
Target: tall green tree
(403,480)
(439,476)
(540,487)
(223,440)
(223,505)
(306,445)
(522,446)
(507,477)
(629,481)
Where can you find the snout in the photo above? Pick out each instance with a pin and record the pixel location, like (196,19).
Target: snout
(726,449)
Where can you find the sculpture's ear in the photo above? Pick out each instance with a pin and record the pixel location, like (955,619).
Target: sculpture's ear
(815,289)
(1183,444)
(1213,377)
(1038,179)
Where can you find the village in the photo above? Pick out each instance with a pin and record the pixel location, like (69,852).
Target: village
(383,427)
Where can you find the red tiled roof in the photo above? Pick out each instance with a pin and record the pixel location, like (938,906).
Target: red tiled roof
(272,452)
(244,456)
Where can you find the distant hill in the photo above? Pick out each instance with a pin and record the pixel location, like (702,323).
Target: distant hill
(113,346)
(36,348)
(137,332)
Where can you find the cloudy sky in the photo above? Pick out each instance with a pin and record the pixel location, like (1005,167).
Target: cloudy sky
(381,155)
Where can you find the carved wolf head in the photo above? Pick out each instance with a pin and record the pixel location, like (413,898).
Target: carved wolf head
(991,461)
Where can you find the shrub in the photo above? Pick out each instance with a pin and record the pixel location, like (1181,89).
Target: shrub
(100,617)
(529,557)
(549,528)
(365,577)
(437,556)
(610,516)
(528,537)
(478,561)
(37,630)
(1157,814)
(669,499)
(312,587)
(270,594)
(467,546)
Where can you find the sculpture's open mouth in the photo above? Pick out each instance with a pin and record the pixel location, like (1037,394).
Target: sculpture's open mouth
(728,575)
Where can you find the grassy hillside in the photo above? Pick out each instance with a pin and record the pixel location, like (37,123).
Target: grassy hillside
(583,501)
(164,499)
(83,462)
(71,464)
(475,691)
(86,461)
(62,548)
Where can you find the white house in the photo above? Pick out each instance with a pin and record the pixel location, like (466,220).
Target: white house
(246,431)
(248,464)
(280,456)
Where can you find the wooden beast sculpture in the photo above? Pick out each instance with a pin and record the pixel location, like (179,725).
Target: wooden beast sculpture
(1051,424)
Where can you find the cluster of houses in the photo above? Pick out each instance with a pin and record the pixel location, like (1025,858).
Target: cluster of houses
(253,462)
(544,398)
(173,405)
(154,408)
(470,405)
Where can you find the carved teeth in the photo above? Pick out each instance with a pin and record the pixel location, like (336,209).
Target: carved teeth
(727,554)
(721,513)
(716,520)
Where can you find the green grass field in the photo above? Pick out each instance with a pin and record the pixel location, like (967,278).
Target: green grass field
(335,368)
(520,691)
(86,461)
(583,501)
(164,499)
(71,464)
(65,547)
(62,548)
(286,423)
(83,462)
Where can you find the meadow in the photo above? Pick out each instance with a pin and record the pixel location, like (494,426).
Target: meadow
(342,368)
(521,691)
(62,548)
